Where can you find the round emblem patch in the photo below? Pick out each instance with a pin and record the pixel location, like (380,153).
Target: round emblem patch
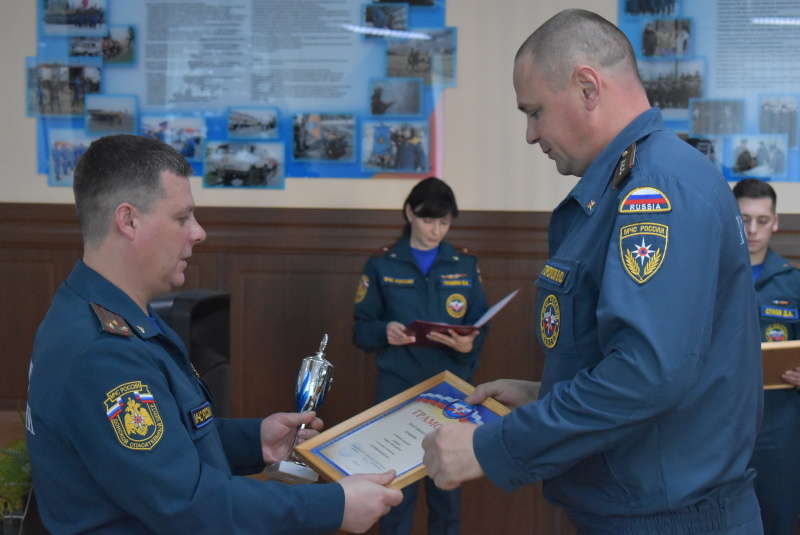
(363,286)
(457,410)
(777,332)
(456,305)
(550,321)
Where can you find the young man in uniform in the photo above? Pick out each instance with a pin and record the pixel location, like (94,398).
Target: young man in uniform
(777,284)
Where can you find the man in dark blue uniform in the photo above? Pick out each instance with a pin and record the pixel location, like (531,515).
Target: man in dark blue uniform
(777,283)
(651,393)
(121,433)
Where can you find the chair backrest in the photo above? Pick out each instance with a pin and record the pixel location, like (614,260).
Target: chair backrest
(202,320)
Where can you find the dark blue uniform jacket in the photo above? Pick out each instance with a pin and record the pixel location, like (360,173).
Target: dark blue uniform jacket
(392,288)
(652,386)
(122,438)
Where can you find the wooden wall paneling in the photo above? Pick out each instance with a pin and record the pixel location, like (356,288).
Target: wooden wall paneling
(28,280)
(285,303)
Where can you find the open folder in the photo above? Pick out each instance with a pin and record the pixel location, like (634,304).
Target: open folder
(776,358)
(420,329)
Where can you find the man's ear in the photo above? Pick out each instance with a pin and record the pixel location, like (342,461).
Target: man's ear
(125,219)
(589,83)
(775,224)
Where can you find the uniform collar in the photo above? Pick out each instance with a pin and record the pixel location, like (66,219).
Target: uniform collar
(402,251)
(597,180)
(773,264)
(97,289)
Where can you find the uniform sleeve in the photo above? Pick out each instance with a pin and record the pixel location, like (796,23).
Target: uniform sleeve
(164,481)
(369,332)
(653,337)
(241,439)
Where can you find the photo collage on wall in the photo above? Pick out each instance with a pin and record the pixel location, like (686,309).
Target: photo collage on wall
(712,69)
(362,99)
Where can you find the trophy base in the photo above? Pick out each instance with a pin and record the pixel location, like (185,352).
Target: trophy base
(292,472)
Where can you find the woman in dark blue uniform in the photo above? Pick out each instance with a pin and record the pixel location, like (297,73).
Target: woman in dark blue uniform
(421,277)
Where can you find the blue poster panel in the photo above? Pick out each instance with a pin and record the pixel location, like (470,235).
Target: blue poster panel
(726,78)
(252,92)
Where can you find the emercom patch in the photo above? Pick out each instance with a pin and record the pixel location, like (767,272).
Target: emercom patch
(642,249)
(133,414)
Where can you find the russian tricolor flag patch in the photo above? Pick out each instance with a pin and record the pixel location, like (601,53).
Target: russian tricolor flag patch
(644,200)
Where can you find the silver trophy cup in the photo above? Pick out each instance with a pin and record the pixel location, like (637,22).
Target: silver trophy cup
(313,382)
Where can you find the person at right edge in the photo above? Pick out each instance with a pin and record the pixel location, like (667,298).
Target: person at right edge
(776,458)
(651,394)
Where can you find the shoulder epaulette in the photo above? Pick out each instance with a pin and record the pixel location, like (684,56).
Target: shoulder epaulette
(383,250)
(465,250)
(111,323)
(626,162)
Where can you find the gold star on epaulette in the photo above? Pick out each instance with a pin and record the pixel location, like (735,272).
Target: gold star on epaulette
(591,205)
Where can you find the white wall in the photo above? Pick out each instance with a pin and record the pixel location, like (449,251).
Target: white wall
(486,159)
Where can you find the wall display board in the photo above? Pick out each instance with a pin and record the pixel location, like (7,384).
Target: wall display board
(252,92)
(726,74)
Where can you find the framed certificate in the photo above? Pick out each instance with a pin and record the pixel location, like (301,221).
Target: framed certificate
(776,358)
(389,435)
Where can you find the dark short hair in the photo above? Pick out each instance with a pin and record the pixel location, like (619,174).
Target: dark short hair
(753,188)
(121,168)
(576,36)
(431,197)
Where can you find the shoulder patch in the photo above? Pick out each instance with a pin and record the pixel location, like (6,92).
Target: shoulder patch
(363,286)
(626,161)
(134,417)
(642,249)
(645,200)
(111,323)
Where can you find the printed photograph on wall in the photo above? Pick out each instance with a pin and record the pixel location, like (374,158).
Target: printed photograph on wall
(651,7)
(716,116)
(428,53)
(324,136)
(777,114)
(670,84)
(758,156)
(57,87)
(395,146)
(185,133)
(73,17)
(242,164)
(252,123)
(382,21)
(111,114)
(65,146)
(395,97)
(666,38)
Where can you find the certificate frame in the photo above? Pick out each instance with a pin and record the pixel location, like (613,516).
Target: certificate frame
(776,358)
(339,451)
